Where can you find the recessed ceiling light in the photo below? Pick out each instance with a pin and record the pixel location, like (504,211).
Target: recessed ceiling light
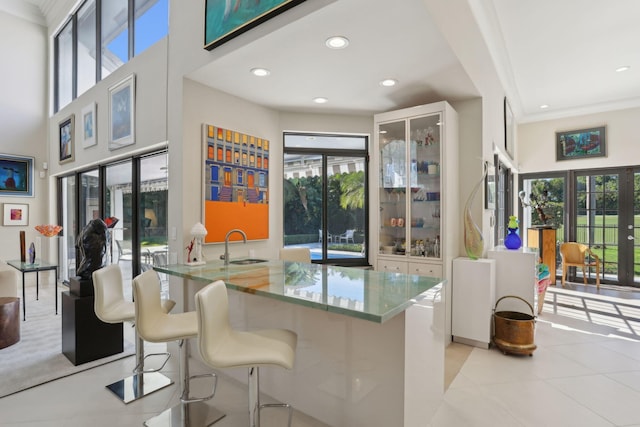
(623,68)
(260,72)
(320,100)
(337,42)
(388,82)
(543,106)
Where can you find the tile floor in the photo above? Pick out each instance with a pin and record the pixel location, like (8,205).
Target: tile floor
(585,372)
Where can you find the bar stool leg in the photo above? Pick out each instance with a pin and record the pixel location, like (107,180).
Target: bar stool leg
(254,400)
(142,383)
(190,412)
(254,396)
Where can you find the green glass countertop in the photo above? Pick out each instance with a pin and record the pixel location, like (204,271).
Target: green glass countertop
(364,294)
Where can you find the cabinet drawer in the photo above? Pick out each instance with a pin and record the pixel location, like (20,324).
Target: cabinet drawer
(431,270)
(392,266)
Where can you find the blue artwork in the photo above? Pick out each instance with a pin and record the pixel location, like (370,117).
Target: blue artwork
(121,113)
(16,176)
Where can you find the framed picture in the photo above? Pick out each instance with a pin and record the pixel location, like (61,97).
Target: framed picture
(16,176)
(16,214)
(509,129)
(225,19)
(122,106)
(89,125)
(66,139)
(581,144)
(490,187)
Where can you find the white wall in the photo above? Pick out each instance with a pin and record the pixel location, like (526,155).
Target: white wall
(23,118)
(204,105)
(538,150)
(150,69)
(456,21)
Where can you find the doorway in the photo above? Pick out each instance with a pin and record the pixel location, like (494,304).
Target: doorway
(597,207)
(606,207)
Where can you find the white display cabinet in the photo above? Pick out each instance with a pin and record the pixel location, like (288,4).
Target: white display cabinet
(415,166)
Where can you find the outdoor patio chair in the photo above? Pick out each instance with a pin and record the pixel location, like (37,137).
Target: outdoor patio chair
(124,254)
(348,235)
(329,236)
(575,255)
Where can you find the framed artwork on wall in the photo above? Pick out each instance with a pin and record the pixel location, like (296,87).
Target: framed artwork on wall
(16,176)
(509,129)
(235,184)
(581,144)
(122,107)
(89,125)
(16,214)
(66,139)
(225,19)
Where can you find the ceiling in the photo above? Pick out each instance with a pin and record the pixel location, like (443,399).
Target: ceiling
(548,52)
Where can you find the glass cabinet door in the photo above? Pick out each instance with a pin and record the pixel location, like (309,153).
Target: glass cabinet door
(424,176)
(393,185)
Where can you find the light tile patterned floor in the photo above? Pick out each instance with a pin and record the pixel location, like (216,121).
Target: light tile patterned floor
(585,372)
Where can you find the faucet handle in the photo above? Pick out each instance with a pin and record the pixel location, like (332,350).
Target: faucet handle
(222,256)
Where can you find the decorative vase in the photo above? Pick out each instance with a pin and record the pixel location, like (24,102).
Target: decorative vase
(473,240)
(32,253)
(512,241)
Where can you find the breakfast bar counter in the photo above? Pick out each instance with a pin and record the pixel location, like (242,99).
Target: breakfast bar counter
(370,344)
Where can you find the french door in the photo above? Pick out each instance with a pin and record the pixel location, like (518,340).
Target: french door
(606,208)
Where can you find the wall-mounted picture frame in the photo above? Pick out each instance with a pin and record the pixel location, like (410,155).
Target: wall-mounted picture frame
(581,144)
(89,125)
(122,118)
(225,20)
(509,129)
(66,140)
(16,176)
(490,187)
(16,214)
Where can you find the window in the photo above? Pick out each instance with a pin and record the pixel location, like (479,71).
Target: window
(504,199)
(325,199)
(86,46)
(64,65)
(115,35)
(139,239)
(152,23)
(84,55)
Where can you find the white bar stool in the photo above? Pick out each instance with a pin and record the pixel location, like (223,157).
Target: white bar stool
(295,254)
(222,347)
(111,307)
(155,325)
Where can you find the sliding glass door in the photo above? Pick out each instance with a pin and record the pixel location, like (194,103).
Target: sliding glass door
(135,192)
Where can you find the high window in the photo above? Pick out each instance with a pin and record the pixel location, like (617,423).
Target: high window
(325,196)
(100,37)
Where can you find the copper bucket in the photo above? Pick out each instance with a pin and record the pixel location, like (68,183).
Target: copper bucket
(513,331)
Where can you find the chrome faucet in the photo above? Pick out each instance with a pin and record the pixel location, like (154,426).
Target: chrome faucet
(226,243)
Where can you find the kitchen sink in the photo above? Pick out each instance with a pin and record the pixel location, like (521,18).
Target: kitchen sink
(247,261)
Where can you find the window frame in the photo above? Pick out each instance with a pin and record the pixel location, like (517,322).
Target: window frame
(326,153)
(73,19)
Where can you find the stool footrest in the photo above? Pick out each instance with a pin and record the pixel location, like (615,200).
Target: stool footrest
(139,368)
(188,399)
